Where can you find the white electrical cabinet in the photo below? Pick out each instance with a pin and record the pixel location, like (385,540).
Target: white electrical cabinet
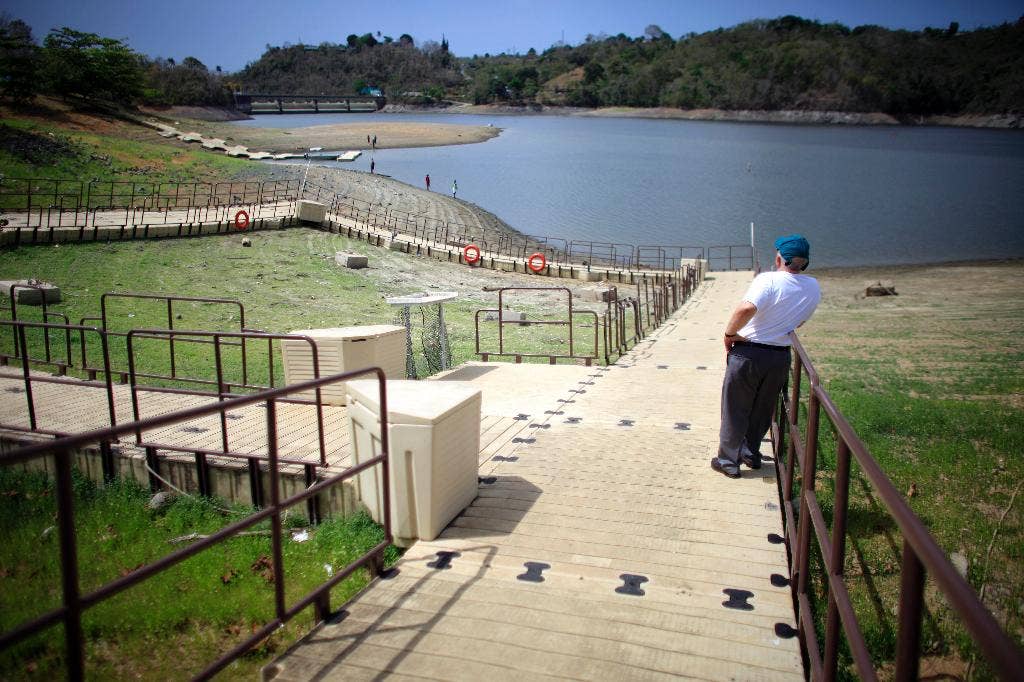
(434,443)
(343,349)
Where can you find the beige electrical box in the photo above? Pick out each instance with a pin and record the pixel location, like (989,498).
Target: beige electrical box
(434,443)
(343,349)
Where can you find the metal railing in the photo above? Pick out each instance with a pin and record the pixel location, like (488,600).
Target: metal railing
(223,388)
(218,388)
(590,254)
(922,556)
(569,321)
(37,207)
(168,303)
(18,329)
(50,359)
(731,257)
(41,206)
(624,322)
(26,194)
(74,602)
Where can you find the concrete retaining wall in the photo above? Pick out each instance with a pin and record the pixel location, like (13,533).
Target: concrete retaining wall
(229,479)
(106,233)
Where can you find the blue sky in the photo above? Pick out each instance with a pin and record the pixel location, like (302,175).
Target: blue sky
(231,34)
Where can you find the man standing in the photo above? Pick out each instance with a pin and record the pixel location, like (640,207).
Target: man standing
(455,188)
(428,182)
(757,343)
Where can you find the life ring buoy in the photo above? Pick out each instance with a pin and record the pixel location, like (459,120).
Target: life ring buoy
(533,265)
(471,252)
(241,220)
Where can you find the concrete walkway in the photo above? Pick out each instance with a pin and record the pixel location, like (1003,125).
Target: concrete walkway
(602,547)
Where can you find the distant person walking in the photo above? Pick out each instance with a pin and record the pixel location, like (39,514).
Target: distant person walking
(428,181)
(455,188)
(367,140)
(374,142)
(757,353)
(372,166)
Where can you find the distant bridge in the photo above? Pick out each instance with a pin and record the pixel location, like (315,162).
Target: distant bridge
(251,103)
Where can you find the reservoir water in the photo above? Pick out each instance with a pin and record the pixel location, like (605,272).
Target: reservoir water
(862,195)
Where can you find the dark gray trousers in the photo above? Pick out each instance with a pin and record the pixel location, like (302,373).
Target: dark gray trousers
(753,379)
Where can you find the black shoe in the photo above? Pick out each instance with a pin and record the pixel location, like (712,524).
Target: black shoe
(750,461)
(720,469)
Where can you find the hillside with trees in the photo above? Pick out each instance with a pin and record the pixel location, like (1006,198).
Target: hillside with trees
(784,63)
(787,63)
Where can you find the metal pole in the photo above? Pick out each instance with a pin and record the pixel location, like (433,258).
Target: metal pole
(443,334)
(753,249)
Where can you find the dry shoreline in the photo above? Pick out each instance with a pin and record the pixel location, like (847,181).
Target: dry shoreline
(399,197)
(793,117)
(342,136)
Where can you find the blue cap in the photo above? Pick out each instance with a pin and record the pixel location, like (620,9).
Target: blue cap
(793,246)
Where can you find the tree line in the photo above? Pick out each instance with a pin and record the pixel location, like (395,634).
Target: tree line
(783,63)
(87,66)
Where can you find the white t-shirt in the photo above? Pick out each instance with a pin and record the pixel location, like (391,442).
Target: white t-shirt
(784,301)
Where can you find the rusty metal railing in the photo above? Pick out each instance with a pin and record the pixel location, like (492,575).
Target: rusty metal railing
(731,257)
(223,388)
(44,211)
(60,365)
(808,529)
(219,388)
(624,322)
(74,602)
(32,424)
(568,322)
(26,194)
(591,254)
(168,302)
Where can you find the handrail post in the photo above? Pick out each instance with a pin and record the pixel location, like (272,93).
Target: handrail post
(908,642)
(794,417)
(807,475)
(170,325)
(220,390)
(275,505)
(108,380)
(69,566)
(20,335)
(835,563)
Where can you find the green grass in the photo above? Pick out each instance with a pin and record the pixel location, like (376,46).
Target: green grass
(169,626)
(287,281)
(932,384)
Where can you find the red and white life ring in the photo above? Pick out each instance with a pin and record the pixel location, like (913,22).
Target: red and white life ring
(241,220)
(471,252)
(536,262)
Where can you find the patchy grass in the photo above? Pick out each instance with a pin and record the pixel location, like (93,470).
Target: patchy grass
(173,624)
(288,281)
(932,380)
(38,149)
(58,141)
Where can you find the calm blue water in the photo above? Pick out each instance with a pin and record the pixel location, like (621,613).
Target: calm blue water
(861,195)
